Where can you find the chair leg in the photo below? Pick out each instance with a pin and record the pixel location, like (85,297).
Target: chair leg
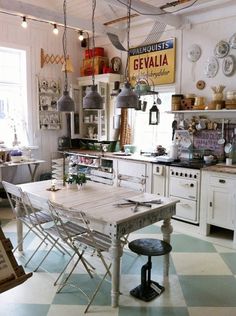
(97,289)
(34,252)
(48,252)
(61,273)
(71,271)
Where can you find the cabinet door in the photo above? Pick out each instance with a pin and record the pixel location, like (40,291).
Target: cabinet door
(221,199)
(75,121)
(131,175)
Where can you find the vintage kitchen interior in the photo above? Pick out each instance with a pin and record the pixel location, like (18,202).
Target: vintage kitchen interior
(118,157)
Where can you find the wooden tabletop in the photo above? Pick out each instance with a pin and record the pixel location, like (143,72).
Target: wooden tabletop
(98,200)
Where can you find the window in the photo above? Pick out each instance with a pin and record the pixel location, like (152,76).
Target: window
(147,137)
(13,96)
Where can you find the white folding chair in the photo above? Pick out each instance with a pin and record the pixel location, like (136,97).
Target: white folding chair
(91,241)
(26,216)
(52,232)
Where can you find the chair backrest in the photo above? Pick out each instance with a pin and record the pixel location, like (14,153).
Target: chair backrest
(61,216)
(14,194)
(93,238)
(32,204)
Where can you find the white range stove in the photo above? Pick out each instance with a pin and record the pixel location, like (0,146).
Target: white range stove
(185,185)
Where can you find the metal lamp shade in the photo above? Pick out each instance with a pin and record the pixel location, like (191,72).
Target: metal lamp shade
(127,98)
(65,103)
(93,100)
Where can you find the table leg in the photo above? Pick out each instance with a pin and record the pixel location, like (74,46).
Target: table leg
(166,229)
(19,227)
(33,172)
(116,253)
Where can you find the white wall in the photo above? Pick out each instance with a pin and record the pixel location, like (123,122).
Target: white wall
(36,36)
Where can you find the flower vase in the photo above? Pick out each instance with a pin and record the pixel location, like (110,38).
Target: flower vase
(81,186)
(71,186)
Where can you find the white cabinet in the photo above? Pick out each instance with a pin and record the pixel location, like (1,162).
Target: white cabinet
(218,201)
(133,174)
(97,125)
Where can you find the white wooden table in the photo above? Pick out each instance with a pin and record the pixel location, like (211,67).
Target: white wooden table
(98,200)
(32,166)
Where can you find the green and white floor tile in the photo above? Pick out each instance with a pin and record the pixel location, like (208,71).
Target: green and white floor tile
(202,280)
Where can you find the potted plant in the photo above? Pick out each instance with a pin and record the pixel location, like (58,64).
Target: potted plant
(75,180)
(81,180)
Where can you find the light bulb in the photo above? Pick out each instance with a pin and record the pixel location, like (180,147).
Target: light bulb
(55,29)
(81,36)
(24,23)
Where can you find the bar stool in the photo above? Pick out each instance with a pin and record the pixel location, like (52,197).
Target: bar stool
(148,289)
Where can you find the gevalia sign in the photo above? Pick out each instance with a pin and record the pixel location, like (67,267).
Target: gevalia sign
(154,62)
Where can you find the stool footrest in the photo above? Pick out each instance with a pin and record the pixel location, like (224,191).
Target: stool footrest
(149,293)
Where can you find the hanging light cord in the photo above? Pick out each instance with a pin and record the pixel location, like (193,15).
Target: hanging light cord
(64,44)
(128,35)
(93,39)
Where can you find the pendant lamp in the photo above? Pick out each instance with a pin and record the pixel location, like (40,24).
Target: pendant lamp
(127,98)
(92,99)
(65,103)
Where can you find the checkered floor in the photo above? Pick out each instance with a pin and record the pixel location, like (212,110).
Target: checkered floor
(202,280)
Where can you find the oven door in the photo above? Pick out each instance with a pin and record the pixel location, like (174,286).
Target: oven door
(183,188)
(187,211)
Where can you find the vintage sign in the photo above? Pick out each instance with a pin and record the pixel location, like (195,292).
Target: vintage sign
(154,62)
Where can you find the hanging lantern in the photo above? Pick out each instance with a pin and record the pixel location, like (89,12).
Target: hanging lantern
(154,115)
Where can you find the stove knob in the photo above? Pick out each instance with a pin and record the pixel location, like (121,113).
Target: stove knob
(195,176)
(191,185)
(181,174)
(176,173)
(190,175)
(186,174)
(172,172)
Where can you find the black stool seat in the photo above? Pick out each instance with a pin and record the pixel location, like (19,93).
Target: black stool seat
(150,247)
(148,289)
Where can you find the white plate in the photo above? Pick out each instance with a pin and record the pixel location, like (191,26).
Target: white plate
(194,53)
(211,67)
(221,49)
(228,65)
(232,41)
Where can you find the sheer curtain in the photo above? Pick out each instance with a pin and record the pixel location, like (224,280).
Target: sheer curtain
(13,96)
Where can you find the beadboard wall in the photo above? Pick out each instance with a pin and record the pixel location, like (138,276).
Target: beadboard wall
(36,36)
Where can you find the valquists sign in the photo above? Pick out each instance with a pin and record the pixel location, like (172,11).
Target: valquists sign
(155,62)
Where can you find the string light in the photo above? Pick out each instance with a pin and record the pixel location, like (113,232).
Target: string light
(24,23)
(55,29)
(81,36)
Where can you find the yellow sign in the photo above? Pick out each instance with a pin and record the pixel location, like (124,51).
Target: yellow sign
(154,62)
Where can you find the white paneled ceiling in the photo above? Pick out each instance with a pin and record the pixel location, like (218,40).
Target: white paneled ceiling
(110,14)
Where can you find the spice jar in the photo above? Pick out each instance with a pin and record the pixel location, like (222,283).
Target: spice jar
(176,102)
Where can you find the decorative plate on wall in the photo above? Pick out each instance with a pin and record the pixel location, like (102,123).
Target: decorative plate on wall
(228,65)
(232,41)
(194,53)
(211,67)
(221,49)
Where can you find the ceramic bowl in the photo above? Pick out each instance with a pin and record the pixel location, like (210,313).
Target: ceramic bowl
(208,159)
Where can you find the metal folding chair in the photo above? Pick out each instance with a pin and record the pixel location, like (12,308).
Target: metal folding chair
(27,216)
(55,234)
(91,241)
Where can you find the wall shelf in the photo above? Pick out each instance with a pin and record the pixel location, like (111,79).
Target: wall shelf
(202,111)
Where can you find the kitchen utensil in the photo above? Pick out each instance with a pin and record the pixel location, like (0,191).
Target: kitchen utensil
(174,127)
(221,141)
